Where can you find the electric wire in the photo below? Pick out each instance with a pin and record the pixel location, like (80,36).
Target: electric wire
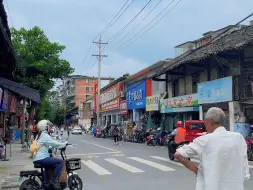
(137,24)
(136,37)
(129,23)
(156,75)
(110,24)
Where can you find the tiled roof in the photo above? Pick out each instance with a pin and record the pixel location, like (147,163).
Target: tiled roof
(238,39)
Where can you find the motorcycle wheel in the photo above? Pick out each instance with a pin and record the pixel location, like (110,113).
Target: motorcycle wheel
(171,156)
(75,182)
(29,184)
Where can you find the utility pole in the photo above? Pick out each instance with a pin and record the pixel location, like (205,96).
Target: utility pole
(99,56)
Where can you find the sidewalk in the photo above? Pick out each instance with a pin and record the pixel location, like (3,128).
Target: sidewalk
(9,170)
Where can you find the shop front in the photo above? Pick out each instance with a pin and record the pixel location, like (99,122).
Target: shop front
(136,100)
(217,93)
(110,105)
(180,108)
(152,107)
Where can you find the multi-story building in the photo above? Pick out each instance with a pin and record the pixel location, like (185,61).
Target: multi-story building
(76,89)
(218,74)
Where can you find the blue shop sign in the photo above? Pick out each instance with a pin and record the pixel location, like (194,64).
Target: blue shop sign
(5,101)
(220,90)
(136,97)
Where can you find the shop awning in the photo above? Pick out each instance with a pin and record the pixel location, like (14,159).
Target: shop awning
(20,89)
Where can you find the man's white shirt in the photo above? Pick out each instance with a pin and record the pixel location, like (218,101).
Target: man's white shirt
(223,160)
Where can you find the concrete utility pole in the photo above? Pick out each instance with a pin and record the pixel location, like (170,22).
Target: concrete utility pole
(99,56)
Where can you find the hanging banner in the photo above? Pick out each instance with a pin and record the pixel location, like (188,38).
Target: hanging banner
(13,104)
(152,103)
(123,107)
(5,101)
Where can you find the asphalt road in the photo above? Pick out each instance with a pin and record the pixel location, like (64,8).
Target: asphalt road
(129,166)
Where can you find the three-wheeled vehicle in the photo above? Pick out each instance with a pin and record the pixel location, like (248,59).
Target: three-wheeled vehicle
(193,129)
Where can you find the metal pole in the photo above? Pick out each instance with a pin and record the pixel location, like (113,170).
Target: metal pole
(23,122)
(99,81)
(99,76)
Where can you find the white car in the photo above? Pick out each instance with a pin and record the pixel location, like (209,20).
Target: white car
(77,130)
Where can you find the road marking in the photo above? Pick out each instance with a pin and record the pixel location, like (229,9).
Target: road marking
(118,155)
(124,165)
(153,164)
(100,146)
(96,168)
(166,160)
(87,154)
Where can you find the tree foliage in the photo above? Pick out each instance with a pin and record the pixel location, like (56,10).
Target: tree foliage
(40,61)
(40,64)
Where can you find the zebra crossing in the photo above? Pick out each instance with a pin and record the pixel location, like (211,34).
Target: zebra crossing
(102,169)
(154,162)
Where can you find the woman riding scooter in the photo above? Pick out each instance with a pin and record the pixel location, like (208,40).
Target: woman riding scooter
(42,156)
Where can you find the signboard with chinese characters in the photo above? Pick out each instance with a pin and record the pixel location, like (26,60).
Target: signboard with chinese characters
(109,98)
(220,90)
(123,107)
(180,104)
(136,97)
(152,103)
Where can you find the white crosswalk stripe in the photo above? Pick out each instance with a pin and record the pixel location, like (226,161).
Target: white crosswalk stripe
(125,166)
(152,164)
(166,160)
(96,168)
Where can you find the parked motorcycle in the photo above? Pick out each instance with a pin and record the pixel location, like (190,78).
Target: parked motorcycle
(73,182)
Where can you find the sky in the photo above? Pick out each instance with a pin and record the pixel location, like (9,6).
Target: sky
(75,24)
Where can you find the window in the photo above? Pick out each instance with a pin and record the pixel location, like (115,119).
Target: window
(87,89)
(197,127)
(87,81)
(91,89)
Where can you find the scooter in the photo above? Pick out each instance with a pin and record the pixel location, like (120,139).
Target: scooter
(172,151)
(73,181)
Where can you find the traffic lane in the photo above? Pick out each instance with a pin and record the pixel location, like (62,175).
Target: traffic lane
(180,180)
(85,145)
(127,147)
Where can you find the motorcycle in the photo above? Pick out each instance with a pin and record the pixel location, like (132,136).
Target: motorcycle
(151,140)
(172,151)
(73,181)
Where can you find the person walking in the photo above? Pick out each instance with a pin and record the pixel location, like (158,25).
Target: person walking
(116,135)
(223,156)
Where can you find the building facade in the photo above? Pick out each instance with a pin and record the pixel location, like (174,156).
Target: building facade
(217,74)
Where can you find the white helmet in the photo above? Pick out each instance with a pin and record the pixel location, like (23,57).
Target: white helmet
(43,125)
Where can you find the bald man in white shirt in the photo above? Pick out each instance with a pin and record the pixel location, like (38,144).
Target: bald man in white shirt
(223,156)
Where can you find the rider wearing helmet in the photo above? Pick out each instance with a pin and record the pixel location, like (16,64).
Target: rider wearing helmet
(42,156)
(179,136)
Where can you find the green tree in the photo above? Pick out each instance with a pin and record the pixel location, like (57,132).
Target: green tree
(40,61)
(40,64)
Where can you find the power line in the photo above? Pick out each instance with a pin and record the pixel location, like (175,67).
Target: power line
(111,22)
(130,22)
(134,37)
(190,52)
(87,54)
(138,23)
